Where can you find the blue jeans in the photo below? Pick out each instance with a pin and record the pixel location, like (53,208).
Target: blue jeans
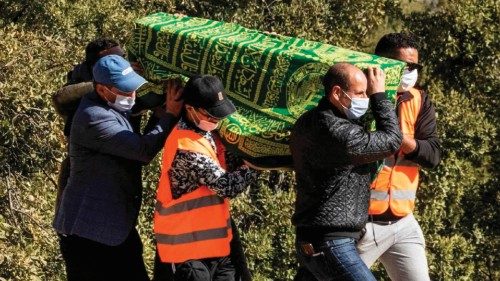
(335,259)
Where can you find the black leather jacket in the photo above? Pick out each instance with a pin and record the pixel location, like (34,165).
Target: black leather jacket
(333,160)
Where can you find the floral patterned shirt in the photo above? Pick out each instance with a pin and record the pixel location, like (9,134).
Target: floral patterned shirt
(190,169)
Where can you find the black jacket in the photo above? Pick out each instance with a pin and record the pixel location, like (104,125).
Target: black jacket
(428,151)
(333,160)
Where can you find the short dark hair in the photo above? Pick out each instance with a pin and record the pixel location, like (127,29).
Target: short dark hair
(336,76)
(389,43)
(95,47)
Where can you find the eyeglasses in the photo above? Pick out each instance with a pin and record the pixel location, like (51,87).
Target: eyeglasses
(412,66)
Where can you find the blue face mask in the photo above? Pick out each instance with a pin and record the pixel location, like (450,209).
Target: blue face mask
(358,108)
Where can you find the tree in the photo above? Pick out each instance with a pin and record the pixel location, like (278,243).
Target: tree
(457,203)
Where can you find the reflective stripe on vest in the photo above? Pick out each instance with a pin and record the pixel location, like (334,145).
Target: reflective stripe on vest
(379,195)
(396,184)
(194,236)
(189,205)
(197,224)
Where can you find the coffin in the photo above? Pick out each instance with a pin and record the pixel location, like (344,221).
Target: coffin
(271,79)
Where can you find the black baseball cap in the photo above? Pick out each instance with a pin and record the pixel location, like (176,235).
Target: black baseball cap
(207,92)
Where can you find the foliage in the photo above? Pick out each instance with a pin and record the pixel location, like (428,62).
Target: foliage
(457,202)
(461,197)
(452,207)
(29,154)
(462,45)
(264,224)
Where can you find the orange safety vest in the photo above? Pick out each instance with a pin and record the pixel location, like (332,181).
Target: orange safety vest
(396,184)
(197,224)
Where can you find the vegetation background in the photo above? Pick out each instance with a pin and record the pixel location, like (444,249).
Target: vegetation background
(458,203)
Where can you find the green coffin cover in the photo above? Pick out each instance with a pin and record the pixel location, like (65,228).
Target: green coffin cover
(271,79)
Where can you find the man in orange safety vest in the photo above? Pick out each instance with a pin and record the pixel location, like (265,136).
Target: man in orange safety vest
(393,236)
(192,223)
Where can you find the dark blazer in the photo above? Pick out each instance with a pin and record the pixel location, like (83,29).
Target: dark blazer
(102,198)
(332,157)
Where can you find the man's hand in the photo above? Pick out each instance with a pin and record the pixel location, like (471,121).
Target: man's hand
(408,145)
(270,32)
(173,90)
(257,168)
(376,80)
(137,67)
(250,165)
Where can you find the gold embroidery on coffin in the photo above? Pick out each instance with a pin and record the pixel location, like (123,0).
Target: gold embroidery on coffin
(272,79)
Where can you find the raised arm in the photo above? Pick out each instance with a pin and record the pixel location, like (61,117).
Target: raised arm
(364,146)
(107,133)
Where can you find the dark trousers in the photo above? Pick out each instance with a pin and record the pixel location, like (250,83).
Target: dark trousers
(212,269)
(87,260)
(335,259)
(236,263)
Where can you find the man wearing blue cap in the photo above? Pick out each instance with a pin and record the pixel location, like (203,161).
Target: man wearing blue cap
(100,204)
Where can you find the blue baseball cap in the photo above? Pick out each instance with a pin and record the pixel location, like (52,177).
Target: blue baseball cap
(114,70)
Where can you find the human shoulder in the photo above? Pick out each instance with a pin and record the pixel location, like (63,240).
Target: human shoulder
(423,93)
(327,120)
(426,102)
(92,109)
(303,124)
(321,126)
(80,73)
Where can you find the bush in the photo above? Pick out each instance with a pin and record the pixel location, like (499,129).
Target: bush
(457,202)
(451,195)
(460,199)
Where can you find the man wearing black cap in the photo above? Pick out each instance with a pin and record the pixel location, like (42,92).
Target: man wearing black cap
(100,204)
(192,223)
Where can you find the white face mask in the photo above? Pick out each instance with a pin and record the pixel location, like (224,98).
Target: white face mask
(408,80)
(358,108)
(204,124)
(122,103)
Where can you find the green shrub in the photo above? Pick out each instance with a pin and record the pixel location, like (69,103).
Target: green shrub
(457,203)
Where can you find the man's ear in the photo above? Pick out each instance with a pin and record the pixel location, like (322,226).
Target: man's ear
(101,91)
(334,94)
